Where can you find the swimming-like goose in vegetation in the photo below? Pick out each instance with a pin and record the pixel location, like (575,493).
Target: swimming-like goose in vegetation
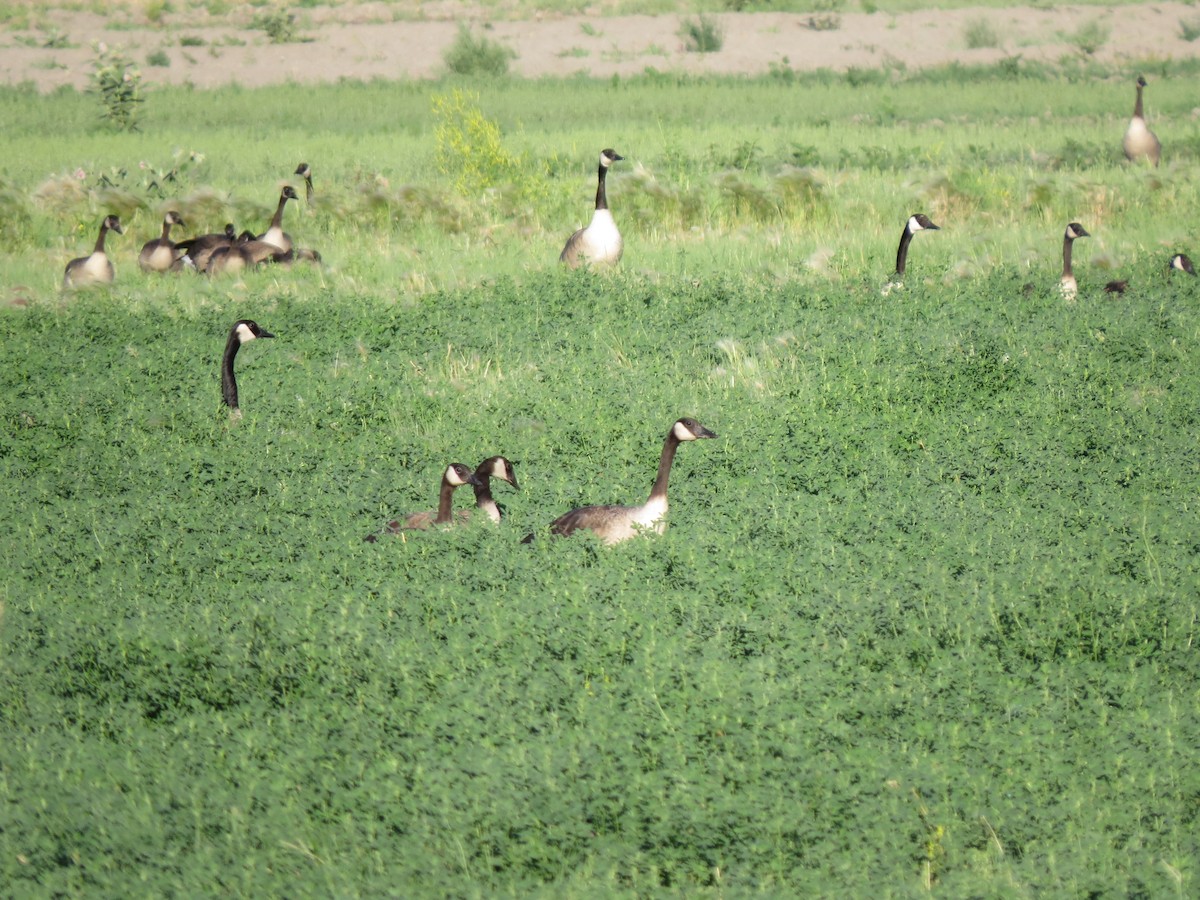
(1067,284)
(196,252)
(492,467)
(160,255)
(1139,141)
(1180,262)
(916,222)
(304,170)
(242,331)
(275,233)
(618,523)
(455,476)
(96,268)
(600,242)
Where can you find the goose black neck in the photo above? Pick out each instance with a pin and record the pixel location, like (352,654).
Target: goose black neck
(670,445)
(601,196)
(902,250)
(102,236)
(166,235)
(1068,243)
(1137,104)
(277,219)
(444,498)
(228,383)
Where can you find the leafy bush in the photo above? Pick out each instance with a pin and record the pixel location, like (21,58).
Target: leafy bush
(1189,29)
(1089,37)
(158,58)
(979,33)
(473,56)
(702,34)
(118,84)
(279,24)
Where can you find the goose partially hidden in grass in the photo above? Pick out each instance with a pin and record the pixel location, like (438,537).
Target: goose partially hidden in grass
(492,467)
(1067,285)
(1180,263)
(618,523)
(243,331)
(304,170)
(455,476)
(96,268)
(916,222)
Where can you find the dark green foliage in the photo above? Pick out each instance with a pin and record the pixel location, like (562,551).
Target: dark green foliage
(477,56)
(925,614)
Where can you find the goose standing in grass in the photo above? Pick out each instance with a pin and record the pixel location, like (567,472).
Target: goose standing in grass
(455,476)
(196,252)
(618,523)
(1067,285)
(243,330)
(1139,141)
(160,254)
(492,467)
(599,244)
(1180,263)
(275,233)
(96,268)
(304,170)
(916,222)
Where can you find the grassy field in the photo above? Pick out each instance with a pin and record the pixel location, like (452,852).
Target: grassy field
(925,616)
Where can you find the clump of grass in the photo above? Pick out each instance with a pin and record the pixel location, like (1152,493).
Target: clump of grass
(471,55)
(1089,37)
(191,40)
(980,33)
(158,58)
(702,34)
(1189,29)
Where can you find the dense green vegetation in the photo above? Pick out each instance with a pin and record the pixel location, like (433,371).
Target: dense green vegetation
(925,616)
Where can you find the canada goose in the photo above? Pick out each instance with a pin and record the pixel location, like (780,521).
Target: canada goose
(492,467)
(617,523)
(275,233)
(1139,140)
(305,172)
(456,475)
(916,222)
(242,331)
(195,252)
(600,242)
(159,255)
(1067,285)
(96,268)
(1116,287)
(1182,263)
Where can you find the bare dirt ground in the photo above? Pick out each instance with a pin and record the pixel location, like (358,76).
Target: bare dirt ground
(361,42)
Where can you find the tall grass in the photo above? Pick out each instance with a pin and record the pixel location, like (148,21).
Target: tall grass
(924,616)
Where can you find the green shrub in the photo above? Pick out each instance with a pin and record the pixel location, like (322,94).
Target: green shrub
(279,24)
(158,58)
(118,83)
(980,33)
(702,35)
(1189,29)
(469,55)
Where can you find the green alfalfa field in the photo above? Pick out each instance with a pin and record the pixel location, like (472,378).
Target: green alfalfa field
(924,619)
